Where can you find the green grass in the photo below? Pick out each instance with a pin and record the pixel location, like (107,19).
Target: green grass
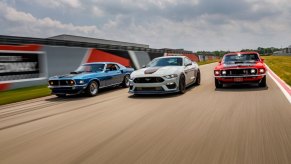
(22,94)
(281,65)
(208,62)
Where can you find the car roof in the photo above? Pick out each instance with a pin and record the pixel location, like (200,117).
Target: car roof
(242,53)
(171,57)
(100,63)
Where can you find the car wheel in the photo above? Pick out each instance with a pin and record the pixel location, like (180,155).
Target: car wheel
(125,83)
(217,84)
(92,89)
(182,84)
(198,78)
(263,82)
(61,95)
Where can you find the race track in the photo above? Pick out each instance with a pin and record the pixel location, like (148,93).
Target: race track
(247,125)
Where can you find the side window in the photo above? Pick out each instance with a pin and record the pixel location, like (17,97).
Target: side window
(112,67)
(117,67)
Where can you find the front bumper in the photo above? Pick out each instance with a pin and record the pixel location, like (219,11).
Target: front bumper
(242,79)
(165,87)
(75,89)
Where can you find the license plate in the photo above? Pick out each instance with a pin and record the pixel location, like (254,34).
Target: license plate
(238,79)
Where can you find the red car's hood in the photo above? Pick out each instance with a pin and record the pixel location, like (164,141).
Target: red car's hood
(239,65)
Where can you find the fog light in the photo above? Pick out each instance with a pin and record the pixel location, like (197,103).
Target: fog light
(71,82)
(223,72)
(253,71)
(51,83)
(81,82)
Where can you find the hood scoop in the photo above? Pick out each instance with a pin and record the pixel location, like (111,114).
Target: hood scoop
(151,70)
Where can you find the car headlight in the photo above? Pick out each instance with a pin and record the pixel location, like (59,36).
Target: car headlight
(171,76)
(81,82)
(253,71)
(262,70)
(216,72)
(223,72)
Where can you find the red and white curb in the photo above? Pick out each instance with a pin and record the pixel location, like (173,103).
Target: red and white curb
(285,88)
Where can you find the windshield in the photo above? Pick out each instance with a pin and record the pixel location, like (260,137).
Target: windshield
(241,58)
(90,68)
(161,62)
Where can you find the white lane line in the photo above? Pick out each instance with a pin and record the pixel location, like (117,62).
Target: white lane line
(285,88)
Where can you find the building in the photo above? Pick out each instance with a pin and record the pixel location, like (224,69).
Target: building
(65,37)
(284,52)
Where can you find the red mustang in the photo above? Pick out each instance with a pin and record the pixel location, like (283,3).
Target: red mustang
(240,68)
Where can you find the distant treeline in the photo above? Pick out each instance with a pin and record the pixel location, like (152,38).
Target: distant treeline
(260,50)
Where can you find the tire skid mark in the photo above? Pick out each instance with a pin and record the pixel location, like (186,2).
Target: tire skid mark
(26,110)
(3,111)
(17,104)
(55,114)
(31,108)
(47,132)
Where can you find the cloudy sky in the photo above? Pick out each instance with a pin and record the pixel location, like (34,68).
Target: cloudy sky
(189,24)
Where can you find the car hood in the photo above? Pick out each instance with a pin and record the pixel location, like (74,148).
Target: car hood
(74,76)
(240,65)
(157,71)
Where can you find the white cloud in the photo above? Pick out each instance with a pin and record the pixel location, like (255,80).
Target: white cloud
(57,3)
(97,11)
(193,25)
(25,23)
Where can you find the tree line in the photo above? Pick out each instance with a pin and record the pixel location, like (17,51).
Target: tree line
(260,50)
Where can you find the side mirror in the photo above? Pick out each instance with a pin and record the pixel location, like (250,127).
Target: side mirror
(263,60)
(144,66)
(219,62)
(188,64)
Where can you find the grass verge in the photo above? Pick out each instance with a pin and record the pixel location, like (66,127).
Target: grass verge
(281,65)
(22,94)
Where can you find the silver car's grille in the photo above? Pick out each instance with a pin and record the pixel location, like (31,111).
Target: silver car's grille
(149,89)
(148,80)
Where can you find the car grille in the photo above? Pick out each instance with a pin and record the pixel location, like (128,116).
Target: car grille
(240,72)
(149,89)
(148,80)
(59,82)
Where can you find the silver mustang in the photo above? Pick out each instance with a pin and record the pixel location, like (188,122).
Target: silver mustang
(165,75)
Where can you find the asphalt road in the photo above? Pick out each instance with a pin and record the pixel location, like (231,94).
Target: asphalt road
(235,125)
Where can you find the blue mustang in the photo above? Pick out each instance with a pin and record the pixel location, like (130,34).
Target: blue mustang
(89,78)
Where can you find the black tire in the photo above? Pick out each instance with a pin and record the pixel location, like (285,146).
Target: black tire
(92,89)
(217,84)
(61,95)
(125,82)
(182,84)
(198,78)
(263,82)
